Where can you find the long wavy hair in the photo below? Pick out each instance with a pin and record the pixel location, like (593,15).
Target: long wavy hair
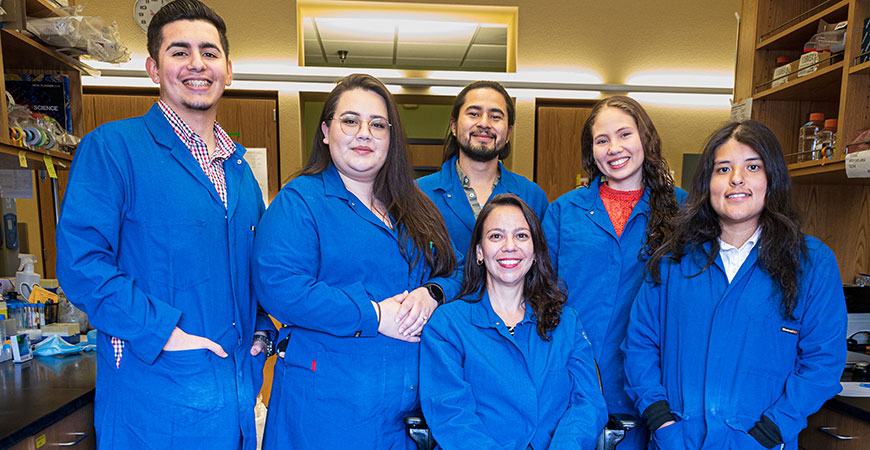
(656,173)
(781,247)
(541,288)
(451,143)
(415,216)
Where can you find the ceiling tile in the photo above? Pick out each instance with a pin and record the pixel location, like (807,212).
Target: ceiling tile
(432,32)
(361,61)
(492,52)
(484,64)
(312,51)
(437,51)
(308,28)
(427,62)
(339,29)
(491,34)
(356,48)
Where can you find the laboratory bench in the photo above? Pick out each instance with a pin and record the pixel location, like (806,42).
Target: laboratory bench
(48,401)
(843,423)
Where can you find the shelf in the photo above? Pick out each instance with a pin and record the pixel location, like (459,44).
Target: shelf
(9,158)
(794,37)
(823,84)
(20,52)
(864,67)
(814,172)
(43,8)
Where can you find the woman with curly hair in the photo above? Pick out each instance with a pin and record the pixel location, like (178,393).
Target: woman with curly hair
(737,336)
(506,365)
(599,236)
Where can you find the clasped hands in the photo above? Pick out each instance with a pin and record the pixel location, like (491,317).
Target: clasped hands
(402,316)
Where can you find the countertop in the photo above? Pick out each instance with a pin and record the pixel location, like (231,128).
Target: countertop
(42,391)
(858,407)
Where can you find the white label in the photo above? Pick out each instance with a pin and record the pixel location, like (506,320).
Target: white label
(858,164)
(809,64)
(780,75)
(741,111)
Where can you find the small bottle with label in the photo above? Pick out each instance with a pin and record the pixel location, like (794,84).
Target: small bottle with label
(828,140)
(808,137)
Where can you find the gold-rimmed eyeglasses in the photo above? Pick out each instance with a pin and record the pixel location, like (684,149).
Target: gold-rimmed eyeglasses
(350,124)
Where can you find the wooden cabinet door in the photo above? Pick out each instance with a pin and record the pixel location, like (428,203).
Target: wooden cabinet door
(557,148)
(831,430)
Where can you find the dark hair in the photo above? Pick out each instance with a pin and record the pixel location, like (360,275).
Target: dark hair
(416,217)
(183,10)
(540,288)
(451,143)
(781,246)
(656,173)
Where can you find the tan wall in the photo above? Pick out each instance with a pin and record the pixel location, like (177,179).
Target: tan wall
(613,39)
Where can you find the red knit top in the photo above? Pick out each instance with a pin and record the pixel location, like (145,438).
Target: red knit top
(619,205)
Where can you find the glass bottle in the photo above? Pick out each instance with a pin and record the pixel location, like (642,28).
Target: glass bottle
(808,137)
(828,140)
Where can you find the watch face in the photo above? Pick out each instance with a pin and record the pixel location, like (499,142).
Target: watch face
(144,10)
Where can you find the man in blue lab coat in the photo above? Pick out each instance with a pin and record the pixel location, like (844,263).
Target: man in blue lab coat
(154,244)
(478,138)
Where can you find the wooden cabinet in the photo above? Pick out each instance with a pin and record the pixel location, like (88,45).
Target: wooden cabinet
(831,430)
(75,431)
(836,209)
(22,54)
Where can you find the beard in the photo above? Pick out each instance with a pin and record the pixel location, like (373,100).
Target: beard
(482,154)
(197,106)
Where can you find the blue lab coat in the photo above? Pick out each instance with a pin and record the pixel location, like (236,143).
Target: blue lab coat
(603,274)
(722,355)
(145,244)
(321,258)
(445,189)
(482,388)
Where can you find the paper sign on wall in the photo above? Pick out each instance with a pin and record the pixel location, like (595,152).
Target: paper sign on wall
(256,158)
(858,164)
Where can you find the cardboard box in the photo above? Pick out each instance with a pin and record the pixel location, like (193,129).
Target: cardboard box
(784,73)
(813,61)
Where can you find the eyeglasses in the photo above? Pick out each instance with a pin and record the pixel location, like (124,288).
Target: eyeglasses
(350,125)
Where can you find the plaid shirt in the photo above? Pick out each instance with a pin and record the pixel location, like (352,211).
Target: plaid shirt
(212,167)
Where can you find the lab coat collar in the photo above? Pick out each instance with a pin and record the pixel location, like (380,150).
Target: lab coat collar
(694,261)
(483,316)
(165,136)
(597,213)
(334,186)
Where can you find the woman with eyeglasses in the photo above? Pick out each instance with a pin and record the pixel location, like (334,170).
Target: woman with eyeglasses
(737,335)
(507,365)
(600,235)
(353,259)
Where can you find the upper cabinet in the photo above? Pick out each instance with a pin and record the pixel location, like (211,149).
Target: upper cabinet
(21,54)
(837,86)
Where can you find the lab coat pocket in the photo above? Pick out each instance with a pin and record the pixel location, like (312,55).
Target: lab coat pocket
(189,379)
(669,437)
(190,255)
(349,383)
(739,436)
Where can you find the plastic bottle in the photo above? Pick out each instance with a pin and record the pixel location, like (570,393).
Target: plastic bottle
(808,137)
(828,140)
(26,278)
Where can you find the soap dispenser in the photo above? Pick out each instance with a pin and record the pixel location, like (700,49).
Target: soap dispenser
(26,278)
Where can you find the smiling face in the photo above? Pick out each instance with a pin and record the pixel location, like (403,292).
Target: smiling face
(482,128)
(738,186)
(192,70)
(506,247)
(617,149)
(361,156)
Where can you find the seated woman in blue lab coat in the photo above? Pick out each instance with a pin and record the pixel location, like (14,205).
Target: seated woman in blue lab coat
(737,336)
(507,365)
(600,236)
(352,258)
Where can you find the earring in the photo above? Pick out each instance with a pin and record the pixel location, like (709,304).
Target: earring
(479,261)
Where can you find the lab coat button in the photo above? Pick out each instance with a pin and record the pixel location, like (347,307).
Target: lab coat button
(238,161)
(412,388)
(357,334)
(591,212)
(449,195)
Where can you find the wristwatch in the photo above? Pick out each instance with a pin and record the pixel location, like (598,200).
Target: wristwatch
(435,292)
(265,339)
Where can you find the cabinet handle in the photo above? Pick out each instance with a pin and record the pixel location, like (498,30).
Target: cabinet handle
(830,432)
(81,437)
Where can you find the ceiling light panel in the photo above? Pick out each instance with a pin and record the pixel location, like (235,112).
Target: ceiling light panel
(435,32)
(491,34)
(341,29)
